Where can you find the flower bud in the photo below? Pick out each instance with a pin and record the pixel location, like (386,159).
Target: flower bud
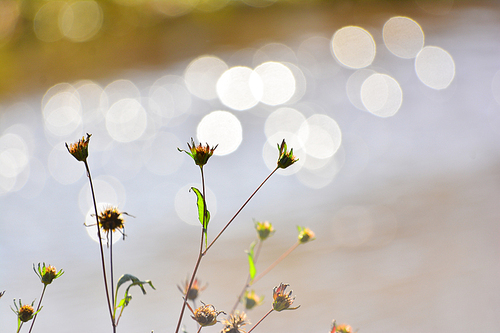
(47,274)
(80,149)
(251,300)
(305,235)
(285,158)
(264,229)
(199,154)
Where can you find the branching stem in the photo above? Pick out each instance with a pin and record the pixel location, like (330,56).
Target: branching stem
(277,261)
(247,283)
(239,210)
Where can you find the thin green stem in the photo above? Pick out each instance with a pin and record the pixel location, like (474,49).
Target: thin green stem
(277,261)
(198,261)
(38,307)
(100,247)
(254,326)
(239,210)
(112,276)
(247,283)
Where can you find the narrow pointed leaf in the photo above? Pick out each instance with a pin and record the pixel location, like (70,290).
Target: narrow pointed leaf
(251,264)
(202,210)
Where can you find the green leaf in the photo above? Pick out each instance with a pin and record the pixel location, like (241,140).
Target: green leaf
(134,282)
(201,208)
(251,264)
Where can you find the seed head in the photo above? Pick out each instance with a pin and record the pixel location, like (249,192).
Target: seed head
(282,301)
(206,315)
(110,219)
(80,149)
(235,322)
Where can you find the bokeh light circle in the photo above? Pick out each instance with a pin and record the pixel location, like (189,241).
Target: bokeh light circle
(278,83)
(353,47)
(126,120)
(117,90)
(170,99)
(240,88)
(403,37)
(62,113)
(353,86)
(185,204)
(81,20)
(161,156)
(435,67)
(319,177)
(60,165)
(109,188)
(14,155)
(286,120)
(324,136)
(202,74)
(46,21)
(220,128)
(381,95)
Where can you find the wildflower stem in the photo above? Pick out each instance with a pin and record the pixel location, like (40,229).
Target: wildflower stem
(277,261)
(100,247)
(200,255)
(19,326)
(247,283)
(239,210)
(199,329)
(112,276)
(38,308)
(254,326)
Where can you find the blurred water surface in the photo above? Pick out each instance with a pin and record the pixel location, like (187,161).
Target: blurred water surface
(399,176)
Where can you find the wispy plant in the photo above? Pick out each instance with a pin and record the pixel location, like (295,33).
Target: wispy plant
(108,221)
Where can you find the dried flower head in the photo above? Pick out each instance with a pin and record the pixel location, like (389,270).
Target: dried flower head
(282,301)
(206,315)
(24,312)
(251,300)
(199,154)
(305,235)
(264,229)
(195,290)
(286,157)
(47,274)
(235,322)
(1,293)
(80,149)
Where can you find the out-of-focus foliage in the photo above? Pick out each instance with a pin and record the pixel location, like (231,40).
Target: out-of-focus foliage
(43,42)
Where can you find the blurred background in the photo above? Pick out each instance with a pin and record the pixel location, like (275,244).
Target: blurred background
(392,107)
